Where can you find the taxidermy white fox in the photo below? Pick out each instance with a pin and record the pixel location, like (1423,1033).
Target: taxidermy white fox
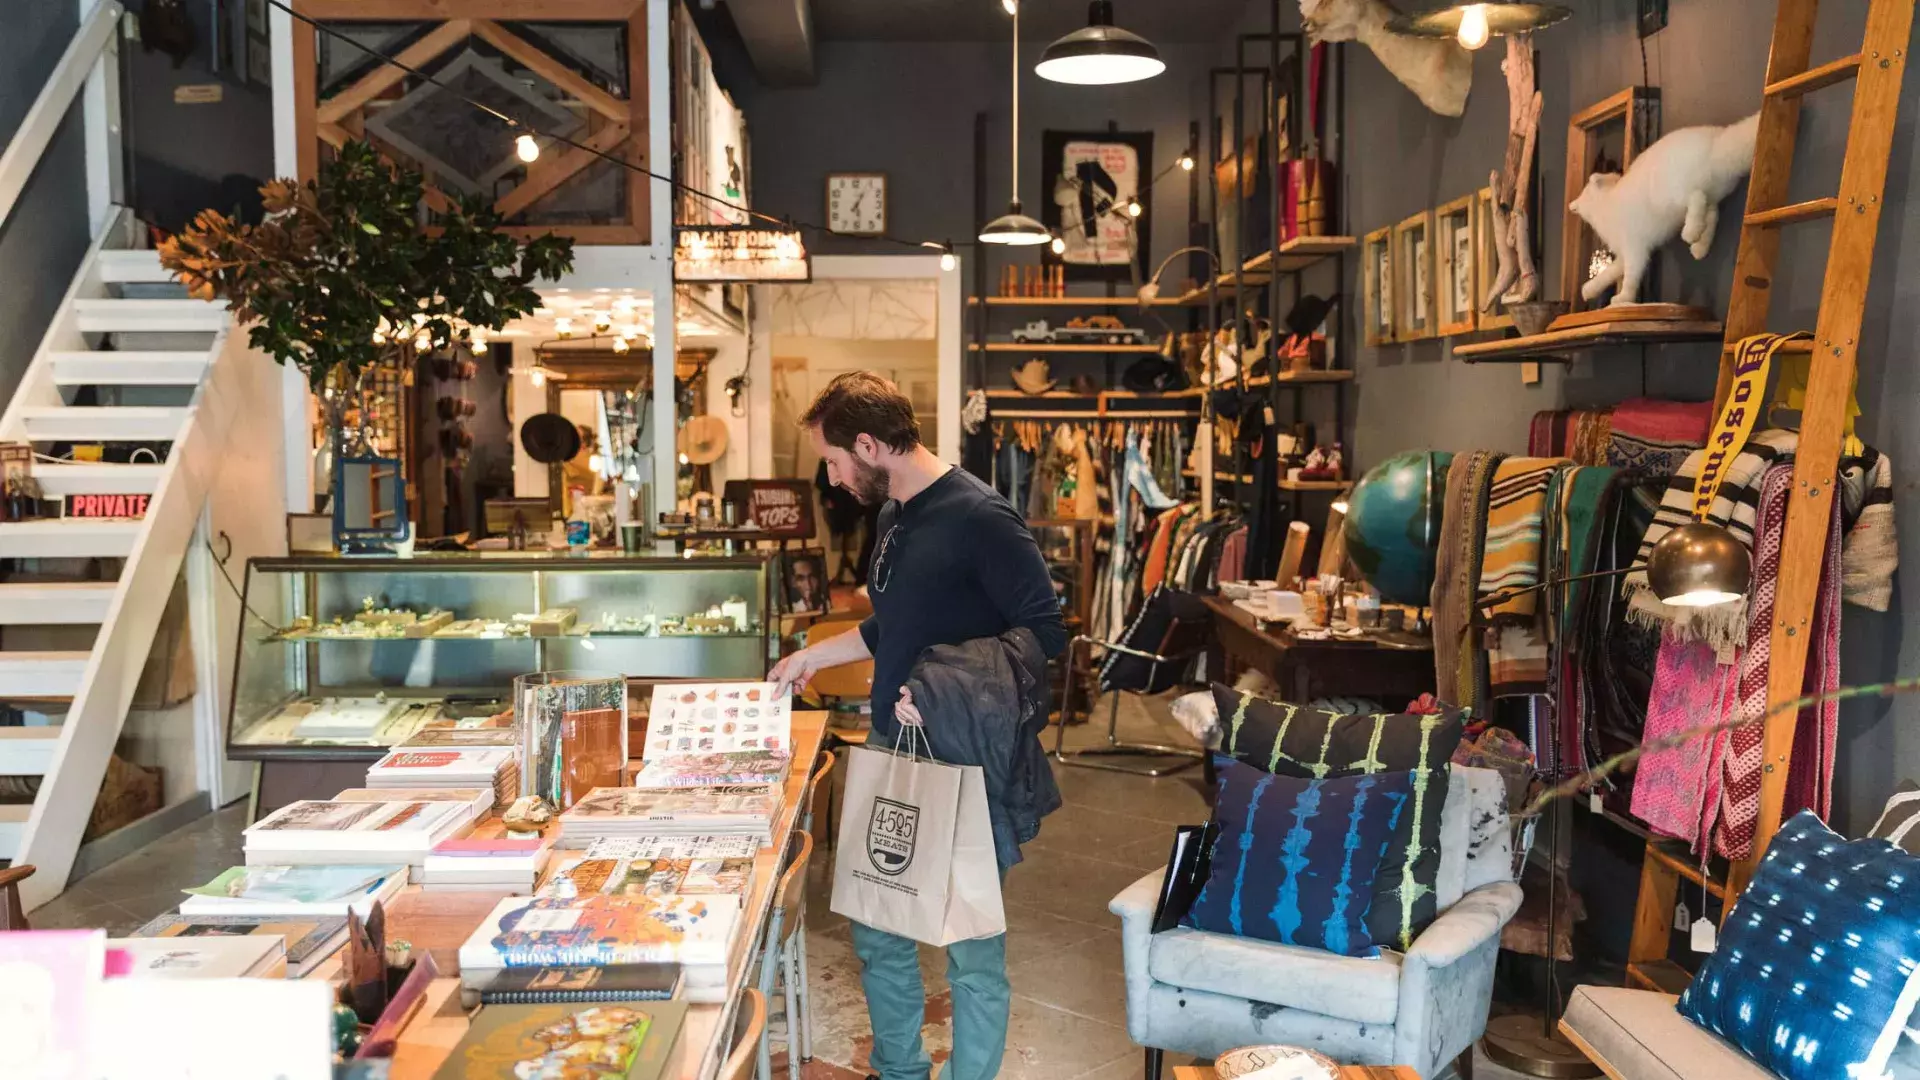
(1673,188)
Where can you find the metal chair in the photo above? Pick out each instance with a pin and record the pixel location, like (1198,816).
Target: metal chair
(1184,640)
(12,915)
(783,955)
(810,798)
(749,1031)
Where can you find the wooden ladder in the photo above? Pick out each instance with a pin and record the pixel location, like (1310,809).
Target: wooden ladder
(1855,212)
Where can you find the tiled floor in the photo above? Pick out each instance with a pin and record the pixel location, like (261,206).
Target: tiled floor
(1063,950)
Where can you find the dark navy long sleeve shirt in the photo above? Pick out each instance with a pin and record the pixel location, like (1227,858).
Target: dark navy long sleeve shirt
(952,564)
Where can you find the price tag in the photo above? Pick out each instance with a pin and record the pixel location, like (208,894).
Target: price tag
(1268,413)
(1704,936)
(1595,803)
(1682,918)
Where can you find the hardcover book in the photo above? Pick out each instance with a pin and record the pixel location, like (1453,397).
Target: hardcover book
(707,770)
(704,718)
(261,956)
(535,985)
(310,940)
(528,931)
(615,1040)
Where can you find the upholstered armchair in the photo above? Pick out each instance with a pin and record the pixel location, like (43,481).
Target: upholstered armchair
(1200,993)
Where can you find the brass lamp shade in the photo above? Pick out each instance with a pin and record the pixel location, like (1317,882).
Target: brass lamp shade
(1699,565)
(1444,22)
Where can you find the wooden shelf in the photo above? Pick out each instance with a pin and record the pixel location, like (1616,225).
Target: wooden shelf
(1294,255)
(1284,485)
(1557,344)
(1017,347)
(1069,301)
(1268,380)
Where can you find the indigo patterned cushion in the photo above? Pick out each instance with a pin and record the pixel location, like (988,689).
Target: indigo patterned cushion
(1818,964)
(1298,740)
(1295,860)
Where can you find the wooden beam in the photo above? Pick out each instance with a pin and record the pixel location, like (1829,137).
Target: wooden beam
(551,171)
(306,97)
(385,76)
(555,72)
(441,10)
(639,185)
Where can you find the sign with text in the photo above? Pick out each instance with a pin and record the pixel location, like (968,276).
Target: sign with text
(783,508)
(728,253)
(108,506)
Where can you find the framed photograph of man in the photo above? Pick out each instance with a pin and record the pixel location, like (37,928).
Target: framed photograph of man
(804,579)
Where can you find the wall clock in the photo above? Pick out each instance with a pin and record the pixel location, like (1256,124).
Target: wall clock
(857,204)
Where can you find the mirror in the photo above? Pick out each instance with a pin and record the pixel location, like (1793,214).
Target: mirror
(369,505)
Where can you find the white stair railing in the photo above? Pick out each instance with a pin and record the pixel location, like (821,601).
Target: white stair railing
(84,53)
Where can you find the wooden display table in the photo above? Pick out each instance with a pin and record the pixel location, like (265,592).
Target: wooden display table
(441,1022)
(1392,670)
(1347,1072)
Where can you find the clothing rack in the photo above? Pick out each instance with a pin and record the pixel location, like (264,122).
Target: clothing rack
(1088,414)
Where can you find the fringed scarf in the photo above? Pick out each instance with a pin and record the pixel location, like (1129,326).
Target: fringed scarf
(1510,558)
(1871,550)
(1456,574)
(1675,790)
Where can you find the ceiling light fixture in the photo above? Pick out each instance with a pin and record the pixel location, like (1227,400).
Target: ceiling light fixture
(1134,209)
(1473,24)
(1013,228)
(1059,245)
(1100,54)
(1012,6)
(528,150)
(1186,161)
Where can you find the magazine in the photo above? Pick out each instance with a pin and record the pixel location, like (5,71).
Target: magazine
(705,718)
(707,770)
(618,1040)
(528,931)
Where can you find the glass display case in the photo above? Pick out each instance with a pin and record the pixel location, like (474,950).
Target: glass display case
(340,658)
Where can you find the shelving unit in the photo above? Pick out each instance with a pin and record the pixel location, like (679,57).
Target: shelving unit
(1559,344)
(1019,347)
(1295,255)
(1070,301)
(1284,485)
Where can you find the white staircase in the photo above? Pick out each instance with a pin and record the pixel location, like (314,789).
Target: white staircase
(152,369)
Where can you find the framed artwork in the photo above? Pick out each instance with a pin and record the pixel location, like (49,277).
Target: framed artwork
(1377,275)
(1413,263)
(1487,252)
(1089,178)
(1628,121)
(803,578)
(1457,260)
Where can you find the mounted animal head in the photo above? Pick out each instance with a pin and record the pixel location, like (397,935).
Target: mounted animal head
(1438,71)
(1334,20)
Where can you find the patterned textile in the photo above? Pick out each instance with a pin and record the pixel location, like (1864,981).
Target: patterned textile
(1233,555)
(1296,859)
(1517,663)
(1740,791)
(1898,818)
(1676,789)
(1818,965)
(1316,743)
(1722,626)
(1456,574)
(1872,550)
(1510,554)
(1653,438)
(1577,434)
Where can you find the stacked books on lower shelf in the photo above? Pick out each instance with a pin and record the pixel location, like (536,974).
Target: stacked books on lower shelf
(720,867)
(495,767)
(472,864)
(678,937)
(309,939)
(733,809)
(327,831)
(254,956)
(295,890)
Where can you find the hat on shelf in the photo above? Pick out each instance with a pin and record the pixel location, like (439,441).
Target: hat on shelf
(1084,384)
(1309,312)
(1034,376)
(1154,375)
(549,438)
(703,439)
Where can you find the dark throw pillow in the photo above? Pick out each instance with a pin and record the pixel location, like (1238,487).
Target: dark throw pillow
(1295,860)
(1899,818)
(1818,964)
(1297,740)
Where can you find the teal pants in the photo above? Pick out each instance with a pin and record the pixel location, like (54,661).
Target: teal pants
(897,1005)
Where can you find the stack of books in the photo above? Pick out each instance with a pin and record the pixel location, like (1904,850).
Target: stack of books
(295,890)
(495,767)
(473,865)
(731,810)
(612,1037)
(324,831)
(717,867)
(479,800)
(262,956)
(688,933)
(308,939)
(708,770)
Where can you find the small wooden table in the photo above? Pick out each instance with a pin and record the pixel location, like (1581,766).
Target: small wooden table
(1390,669)
(1347,1072)
(440,1023)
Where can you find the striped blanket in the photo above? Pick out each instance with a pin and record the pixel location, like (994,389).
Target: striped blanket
(1511,553)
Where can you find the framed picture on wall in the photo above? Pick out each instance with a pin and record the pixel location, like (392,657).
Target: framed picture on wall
(1457,256)
(1089,178)
(1377,277)
(804,578)
(1488,254)
(1413,264)
(1604,137)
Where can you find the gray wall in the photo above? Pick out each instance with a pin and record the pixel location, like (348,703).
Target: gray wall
(908,109)
(42,241)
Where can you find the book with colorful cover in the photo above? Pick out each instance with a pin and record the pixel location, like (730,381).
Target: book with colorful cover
(467,765)
(705,718)
(614,1040)
(481,799)
(310,939)
(535,931)
(677,846)
(49,986)
(652,877)
(708,770)
(461,737)
(720,804)
(324,824)
(296,884)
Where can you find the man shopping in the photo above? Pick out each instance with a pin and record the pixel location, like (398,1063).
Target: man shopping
(952,563)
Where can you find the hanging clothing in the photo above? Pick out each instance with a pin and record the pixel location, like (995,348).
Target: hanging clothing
(1456,574)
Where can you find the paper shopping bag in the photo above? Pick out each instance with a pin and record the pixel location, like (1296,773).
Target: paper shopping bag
(915,855)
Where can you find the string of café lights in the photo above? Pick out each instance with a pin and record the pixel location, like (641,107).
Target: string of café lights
(527,148)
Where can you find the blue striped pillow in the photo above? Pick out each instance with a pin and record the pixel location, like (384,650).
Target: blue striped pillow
(1296,858)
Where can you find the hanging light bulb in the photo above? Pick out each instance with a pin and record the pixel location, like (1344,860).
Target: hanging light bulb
(593,462)
(602,322)
(538,375)
(380,333)
(948,262)
(1134,209)
(423,341)
(528,150)
(1186,162)
(1012,6)
(1013,228)
(684,459)
(1471,24)
(620,345)
(477,338)
(1059,245)
(563,326)
(1100,54)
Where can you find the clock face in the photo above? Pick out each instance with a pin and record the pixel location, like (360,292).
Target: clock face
(857,204)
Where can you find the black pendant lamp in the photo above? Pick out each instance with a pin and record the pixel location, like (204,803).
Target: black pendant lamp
(1472,24)
(1013,228)
(1101,54)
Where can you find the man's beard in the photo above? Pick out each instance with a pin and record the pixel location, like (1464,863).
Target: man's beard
(869,483)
